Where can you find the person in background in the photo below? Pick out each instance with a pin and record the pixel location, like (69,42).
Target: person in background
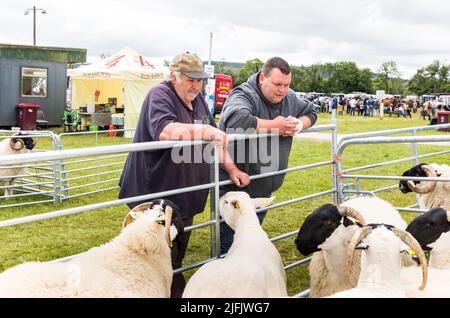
(176,110)
(263,104)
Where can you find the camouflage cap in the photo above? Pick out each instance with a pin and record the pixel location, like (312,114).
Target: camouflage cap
(189,64)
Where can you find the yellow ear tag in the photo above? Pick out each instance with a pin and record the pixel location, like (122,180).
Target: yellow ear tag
(411,252)
(136,215)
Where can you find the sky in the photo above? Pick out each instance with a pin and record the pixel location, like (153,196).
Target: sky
(413,33)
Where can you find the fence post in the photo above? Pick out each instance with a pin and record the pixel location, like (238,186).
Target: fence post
(334,157)
(415,153)
(61,171)
(214,205)
(414,149)
(97,163)
(357,186)
(56,144)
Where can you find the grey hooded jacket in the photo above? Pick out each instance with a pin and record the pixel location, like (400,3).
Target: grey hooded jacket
(239,114)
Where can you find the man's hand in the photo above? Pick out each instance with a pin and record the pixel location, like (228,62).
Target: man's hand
(299,125)
(287,126)
(239,177)
(218,136)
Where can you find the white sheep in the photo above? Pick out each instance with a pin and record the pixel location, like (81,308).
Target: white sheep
(136,263)
(429,194)
(381,262)
(10,146)
(438,283)
(440,253)
(252,267)
(328,237)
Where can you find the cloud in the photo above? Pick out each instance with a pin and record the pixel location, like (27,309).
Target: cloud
(368,32)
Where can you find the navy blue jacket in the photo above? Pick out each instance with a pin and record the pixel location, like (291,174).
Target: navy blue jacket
(154,171)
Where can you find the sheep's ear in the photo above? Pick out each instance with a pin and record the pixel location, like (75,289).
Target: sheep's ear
(262,202)
(235,204)
(409,251)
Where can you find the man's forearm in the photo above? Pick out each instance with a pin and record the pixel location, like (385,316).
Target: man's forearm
(266,125)
(180,131)
(227,163)
(306,121)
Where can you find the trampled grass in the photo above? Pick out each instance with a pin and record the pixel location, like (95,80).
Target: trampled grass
(59,237)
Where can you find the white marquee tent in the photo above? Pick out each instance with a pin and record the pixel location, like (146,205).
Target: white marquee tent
(126,75)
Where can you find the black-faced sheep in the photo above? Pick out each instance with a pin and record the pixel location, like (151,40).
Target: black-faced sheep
(137,263)
(327,232)
(381,261)
(252,267)
(10,146)
(430,194)
(431,230)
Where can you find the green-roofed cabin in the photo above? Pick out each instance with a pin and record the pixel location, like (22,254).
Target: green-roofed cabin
(36,75)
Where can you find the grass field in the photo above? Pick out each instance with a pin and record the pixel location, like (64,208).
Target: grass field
(68,235)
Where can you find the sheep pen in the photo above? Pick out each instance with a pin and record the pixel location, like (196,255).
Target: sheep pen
(59,239)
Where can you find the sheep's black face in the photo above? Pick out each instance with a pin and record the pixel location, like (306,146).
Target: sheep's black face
(28,141)
(176,217)
(415,171)
(318,226)
(428,227)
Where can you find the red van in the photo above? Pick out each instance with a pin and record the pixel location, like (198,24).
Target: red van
(224,85)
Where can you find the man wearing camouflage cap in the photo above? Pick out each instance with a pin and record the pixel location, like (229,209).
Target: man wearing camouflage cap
(176,110)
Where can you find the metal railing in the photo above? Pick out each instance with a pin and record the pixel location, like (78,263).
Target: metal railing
(82,176)
(117,150)
(63,159)
(29,184)
(373,138)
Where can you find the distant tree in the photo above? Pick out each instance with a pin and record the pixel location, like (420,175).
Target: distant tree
(340,77)
(250,67)
(312,78)
(399,86)
(433,78)
(234,73)
(221,65)
(344,77)
(443,78)
(298,78)
(365,81)
(386,72)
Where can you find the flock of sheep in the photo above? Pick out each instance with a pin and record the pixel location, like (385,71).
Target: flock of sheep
(376,257)
(362,248)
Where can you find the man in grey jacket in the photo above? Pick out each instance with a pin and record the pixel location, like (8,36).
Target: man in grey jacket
(263,104)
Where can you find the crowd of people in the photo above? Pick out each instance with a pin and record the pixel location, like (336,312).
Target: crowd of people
(369,106)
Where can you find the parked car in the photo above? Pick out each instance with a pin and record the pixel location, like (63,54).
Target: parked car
(317,107)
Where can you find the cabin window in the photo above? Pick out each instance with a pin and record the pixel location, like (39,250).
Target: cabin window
(34,82)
